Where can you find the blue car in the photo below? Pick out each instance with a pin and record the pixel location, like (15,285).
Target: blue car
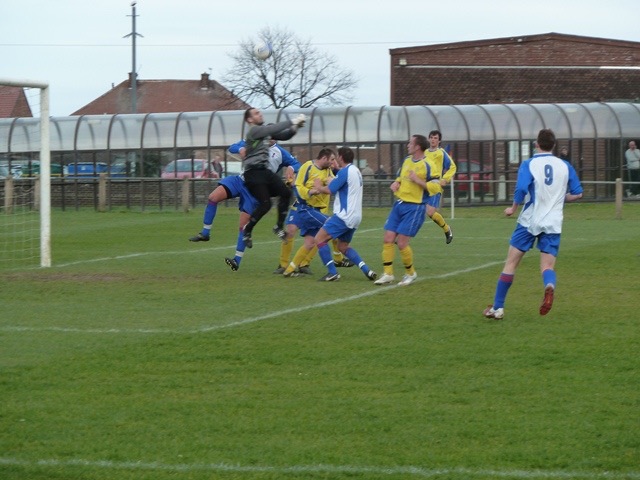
(93,170)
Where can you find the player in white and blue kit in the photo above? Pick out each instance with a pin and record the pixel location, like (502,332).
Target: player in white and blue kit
(544,183)
(347,215)
(228,187)
(278,157)
(234,187)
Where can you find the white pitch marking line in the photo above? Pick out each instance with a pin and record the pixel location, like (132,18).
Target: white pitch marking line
(175,252)
(369,293)
(323,468)
(204,329)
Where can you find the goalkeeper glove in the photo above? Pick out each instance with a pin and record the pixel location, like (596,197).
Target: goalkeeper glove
(299,120)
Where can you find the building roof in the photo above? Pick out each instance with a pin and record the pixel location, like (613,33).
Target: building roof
(488,48)
(13,102)
(161,96)
(544,68)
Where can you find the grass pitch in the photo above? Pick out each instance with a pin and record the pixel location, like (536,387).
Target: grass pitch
(139,355)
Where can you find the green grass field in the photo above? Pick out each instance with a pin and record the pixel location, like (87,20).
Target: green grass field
(139,355)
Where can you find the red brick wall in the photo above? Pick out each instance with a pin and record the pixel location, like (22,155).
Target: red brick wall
(424,81)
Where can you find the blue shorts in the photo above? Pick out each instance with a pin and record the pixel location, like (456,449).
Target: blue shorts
(434,200)
(309,220)
(291,216)
(338,230)
(236,187)
(523,241)
(406,218)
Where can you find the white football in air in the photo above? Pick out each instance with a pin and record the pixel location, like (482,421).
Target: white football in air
(262,50)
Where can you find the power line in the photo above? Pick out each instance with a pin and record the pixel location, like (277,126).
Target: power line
(208,45)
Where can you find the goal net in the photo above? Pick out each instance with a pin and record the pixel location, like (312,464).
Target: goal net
(25,175)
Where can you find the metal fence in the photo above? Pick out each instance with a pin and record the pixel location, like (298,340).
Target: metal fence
(140,194)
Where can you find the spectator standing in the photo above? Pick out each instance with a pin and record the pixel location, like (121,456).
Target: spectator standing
(632,156)
(381,173)
(367,171)
(217,165)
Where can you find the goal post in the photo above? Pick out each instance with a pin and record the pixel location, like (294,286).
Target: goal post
(44,182)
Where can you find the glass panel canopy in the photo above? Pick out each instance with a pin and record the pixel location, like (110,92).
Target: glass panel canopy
(327,126)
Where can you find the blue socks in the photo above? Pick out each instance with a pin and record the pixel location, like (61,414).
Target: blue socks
(549,278)
(327,258)
(240,247)
(504,283)
(354,256)
(209,214)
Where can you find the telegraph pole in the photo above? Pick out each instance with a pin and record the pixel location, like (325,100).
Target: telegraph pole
(134,74)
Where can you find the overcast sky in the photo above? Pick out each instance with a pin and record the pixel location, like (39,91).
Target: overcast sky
(78,46)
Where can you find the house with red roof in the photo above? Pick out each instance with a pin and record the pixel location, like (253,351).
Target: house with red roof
(163,96)
(13,102)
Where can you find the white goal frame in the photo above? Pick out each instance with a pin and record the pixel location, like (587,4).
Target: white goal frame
(45,164)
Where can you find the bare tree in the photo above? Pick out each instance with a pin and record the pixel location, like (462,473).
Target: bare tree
(296,75)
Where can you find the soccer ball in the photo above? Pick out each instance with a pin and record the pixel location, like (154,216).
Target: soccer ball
(262,50)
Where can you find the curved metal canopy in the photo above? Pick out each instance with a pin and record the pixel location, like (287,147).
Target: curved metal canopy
(330,125)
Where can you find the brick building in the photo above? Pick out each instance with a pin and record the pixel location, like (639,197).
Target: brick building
(548,68)
(545,68)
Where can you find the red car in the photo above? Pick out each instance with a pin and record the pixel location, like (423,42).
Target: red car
(471,171)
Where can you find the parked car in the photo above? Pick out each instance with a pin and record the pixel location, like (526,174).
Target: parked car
(92,170)
(4,171)
(31,168)
(189,168)
(15,168)
(232,168)
(473,168)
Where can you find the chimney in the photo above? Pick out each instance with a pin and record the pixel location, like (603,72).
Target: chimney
(131,75)
(204,81)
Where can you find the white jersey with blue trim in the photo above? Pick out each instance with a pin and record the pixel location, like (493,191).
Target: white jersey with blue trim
(542,184)
(275,159)
(278,156)
(347,188)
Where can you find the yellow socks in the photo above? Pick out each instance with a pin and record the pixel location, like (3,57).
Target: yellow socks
(285,252)
(388,253)
(300,255)
(407,259)
(307,260)
(439,220)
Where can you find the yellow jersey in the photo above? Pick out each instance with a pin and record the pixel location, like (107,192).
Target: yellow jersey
(443,164)
(409,191)
(304,182)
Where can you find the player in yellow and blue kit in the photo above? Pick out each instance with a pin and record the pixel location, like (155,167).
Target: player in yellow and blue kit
(292,228)
(412,190)
(311,205)
(444,168)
